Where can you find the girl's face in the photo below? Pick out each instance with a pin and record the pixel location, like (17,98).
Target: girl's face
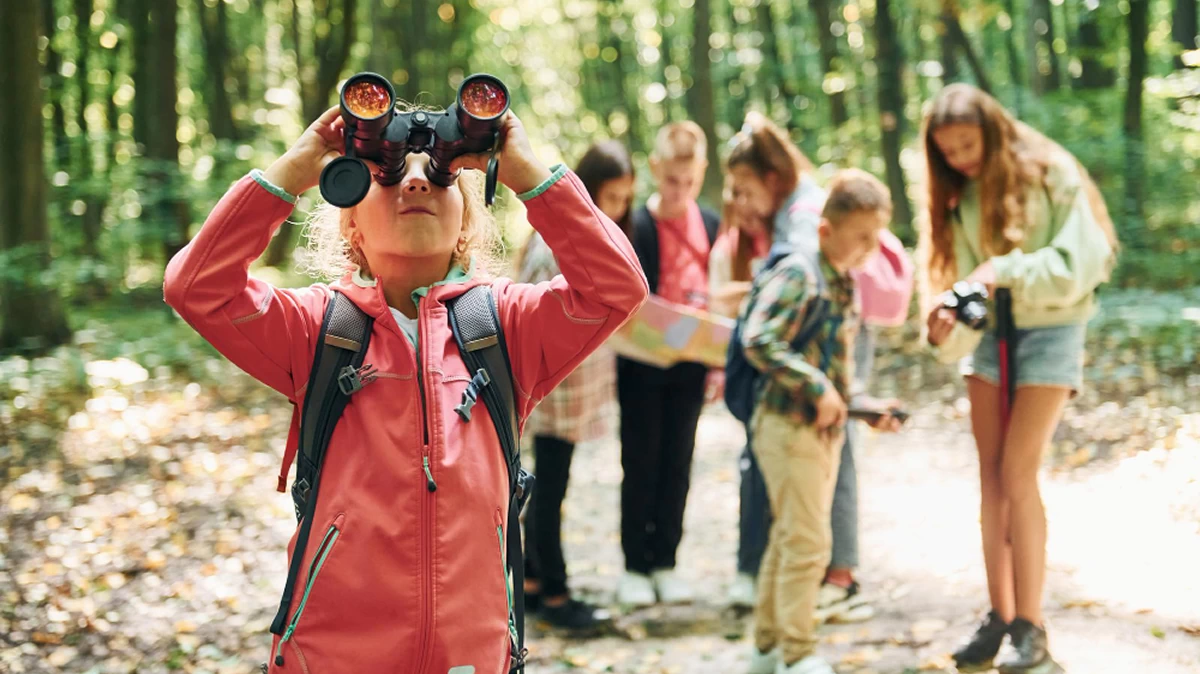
(962,146)
(614,196)
(411,219)
(751,194)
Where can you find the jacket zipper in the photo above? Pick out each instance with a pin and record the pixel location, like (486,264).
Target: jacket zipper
(427,502)
(314,570)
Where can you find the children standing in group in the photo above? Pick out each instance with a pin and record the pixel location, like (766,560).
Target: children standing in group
(660,408)
(774,196)
(800,416)
(579,410)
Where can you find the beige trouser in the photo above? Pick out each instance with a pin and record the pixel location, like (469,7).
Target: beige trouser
(799,465)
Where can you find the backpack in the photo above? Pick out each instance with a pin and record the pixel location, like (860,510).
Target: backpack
(338,373)
(742,380)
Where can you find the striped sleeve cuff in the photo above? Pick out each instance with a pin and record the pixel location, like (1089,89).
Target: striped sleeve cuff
(556,174)
(272,187)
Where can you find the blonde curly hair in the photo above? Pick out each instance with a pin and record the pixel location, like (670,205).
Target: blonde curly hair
(329,255)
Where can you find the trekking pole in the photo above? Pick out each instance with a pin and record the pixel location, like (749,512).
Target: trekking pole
(1006,338)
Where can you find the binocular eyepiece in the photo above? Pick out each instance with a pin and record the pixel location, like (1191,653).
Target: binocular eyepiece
(968,301)
(375,130)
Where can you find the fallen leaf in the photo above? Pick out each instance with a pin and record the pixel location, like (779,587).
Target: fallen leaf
(1193,630)
(46,638)
(1081,603)
(185,627)
(1158,633)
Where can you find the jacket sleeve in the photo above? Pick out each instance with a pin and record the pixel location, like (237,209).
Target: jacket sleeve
(262,329)
(773,322)
(1077,258)
(551,327)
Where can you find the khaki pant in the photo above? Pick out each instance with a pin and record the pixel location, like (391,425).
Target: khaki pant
(799,465)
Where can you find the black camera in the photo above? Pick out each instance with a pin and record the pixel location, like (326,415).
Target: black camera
(375,130)
(968,301)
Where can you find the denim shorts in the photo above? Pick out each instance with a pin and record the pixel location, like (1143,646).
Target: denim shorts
(1050,356)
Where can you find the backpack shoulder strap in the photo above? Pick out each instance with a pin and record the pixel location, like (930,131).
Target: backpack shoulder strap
(337,373)
(712,224)
(475,323)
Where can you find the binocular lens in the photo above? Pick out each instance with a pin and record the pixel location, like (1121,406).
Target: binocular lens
(366,99)
(484,98)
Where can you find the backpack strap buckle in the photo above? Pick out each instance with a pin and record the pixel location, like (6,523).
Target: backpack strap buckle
(471,395)
(351,380)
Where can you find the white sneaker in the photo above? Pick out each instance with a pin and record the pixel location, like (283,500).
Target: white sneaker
(763,663)
(743,591)
(635,589)
(813,664)
(836,604)
(671,587)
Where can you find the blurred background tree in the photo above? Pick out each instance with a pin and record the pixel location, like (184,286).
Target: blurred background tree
(148,110)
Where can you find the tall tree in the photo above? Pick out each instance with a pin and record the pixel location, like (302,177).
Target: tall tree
(155,86)
(214,34)
(54,92)
(773,73)
(701,104)
(1094,73)
(949,44)
(1135,169)
(1044,68)
(823,12)
(958,41)
(890,57)
(31,313)
(1014,55)
(92,192)
(1184,27)
(330,48)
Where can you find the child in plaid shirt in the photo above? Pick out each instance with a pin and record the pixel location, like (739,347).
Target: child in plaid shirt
(800,416)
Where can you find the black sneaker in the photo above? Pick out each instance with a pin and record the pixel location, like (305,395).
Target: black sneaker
(575,615)
(1031,651)
(978,654)
(533,601)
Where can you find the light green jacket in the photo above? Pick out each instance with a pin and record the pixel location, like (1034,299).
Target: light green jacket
(1054,273)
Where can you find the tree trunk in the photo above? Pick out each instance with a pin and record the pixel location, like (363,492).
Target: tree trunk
(214,33)
(665,16)
(700,97)
(1015,71)
(169,211)
(778,88)
(1094,74)
(1044,69)
(58,119)
(331,51)
(139,31)
(1134,148)
(1184,26)
(949,44)
(950,16)
(90,191)
(830,62)
(31,315)
(890,57)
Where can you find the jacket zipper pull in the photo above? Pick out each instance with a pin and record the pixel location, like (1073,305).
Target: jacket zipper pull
(428,475)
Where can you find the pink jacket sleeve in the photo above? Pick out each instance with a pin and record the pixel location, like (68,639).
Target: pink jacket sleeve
(262,329)
(551,327)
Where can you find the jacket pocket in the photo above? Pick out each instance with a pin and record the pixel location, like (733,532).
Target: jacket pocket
(320,556)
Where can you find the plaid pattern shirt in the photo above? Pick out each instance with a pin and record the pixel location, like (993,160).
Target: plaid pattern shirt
(583,407)
(793,381)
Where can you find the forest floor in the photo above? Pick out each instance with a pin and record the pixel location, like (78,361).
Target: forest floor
(151,539)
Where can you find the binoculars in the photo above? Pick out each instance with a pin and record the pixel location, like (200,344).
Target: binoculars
(968,301)
(375,130)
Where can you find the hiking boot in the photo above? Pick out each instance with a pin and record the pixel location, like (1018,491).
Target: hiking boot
(574,615)
(742,592)
(671,587)
(1031,651)
(635,589)
(837,604)
(978,654)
